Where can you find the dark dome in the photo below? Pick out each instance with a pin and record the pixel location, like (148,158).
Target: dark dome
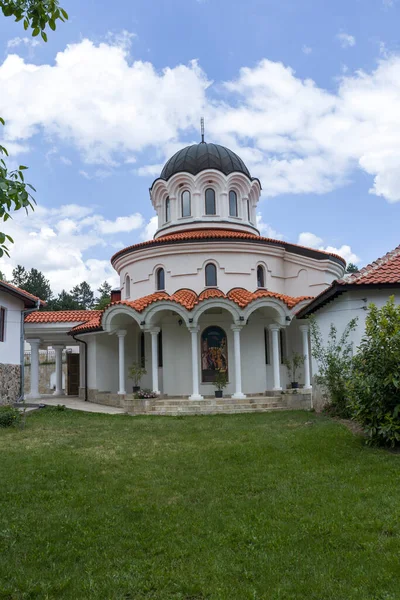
(199,157)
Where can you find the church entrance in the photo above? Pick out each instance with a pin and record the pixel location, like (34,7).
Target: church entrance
(72,374)
(214,353)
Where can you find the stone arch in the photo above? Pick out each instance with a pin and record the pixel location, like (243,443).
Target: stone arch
(117,310)
(228,305)
(151,311)
(267,302)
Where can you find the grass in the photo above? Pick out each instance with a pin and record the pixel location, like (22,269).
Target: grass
(271,506)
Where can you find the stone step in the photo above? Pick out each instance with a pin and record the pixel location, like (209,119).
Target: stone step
(217,409)
(218,401)
(183,413)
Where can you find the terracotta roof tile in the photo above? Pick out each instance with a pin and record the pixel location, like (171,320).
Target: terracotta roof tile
(92,325)
(211,293)
(62,316)
(215,234)
(21,292)
(383,270)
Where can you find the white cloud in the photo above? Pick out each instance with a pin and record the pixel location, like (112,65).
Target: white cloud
(150,229)
(306,49)
(346,40)
(58,241)
(266,230)
(295,136)
(313,241)
(25,41)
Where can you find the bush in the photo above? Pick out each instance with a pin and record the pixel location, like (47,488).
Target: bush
(374,390)
(9,416)
(334,366)
(145,394)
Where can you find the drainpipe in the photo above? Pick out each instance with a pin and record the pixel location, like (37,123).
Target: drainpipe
(22,350)
(86,364)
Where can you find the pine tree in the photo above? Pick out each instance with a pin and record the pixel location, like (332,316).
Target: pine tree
(64,301)
(37,284)
(105,296)
(83,295)
(19,276)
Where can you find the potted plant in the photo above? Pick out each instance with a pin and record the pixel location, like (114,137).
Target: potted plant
(136,373)
(292,364)
(220,382)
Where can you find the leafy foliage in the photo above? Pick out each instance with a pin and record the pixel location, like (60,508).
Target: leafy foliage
(9,416)
(32,281)
(64,301)
(136,372)
(374,390)
(334,365)
(145,394)
(221,379)
(294,363)
(352,268)
(105,296)
(15,193)
(83,295)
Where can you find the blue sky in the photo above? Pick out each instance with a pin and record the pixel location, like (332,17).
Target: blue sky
(306,91)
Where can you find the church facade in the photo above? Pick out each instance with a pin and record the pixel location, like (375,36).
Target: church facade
(207,295)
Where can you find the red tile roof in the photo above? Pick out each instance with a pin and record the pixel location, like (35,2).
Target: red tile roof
(189,299)
(19,292)
(225,234)
(63,316)
(383,270)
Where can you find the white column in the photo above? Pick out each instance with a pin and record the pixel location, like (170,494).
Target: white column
(154,358)
(34,392)
(274,329)
(59,387)
(195,364)
(121,361)
(304,333)
(238,363)
(82,374)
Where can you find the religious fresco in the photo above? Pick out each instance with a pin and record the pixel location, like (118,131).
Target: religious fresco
(214,353)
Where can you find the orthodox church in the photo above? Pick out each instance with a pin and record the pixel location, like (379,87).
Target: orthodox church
(207,294)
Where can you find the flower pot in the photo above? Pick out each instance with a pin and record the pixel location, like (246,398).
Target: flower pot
(295,385)
(218,393)
(136,388)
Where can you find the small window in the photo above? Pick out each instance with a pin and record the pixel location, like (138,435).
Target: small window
(260,276)
(167,210)
(248,210)
(233,209)
(210,202)
(282,340)
(2,324)
(142,350)
(160,350)
(211,275)
(185,201)
(160,279)
(266,345)
(127,287)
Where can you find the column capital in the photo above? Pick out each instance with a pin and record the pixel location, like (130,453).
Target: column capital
(154,330)
(58,346)
(274,327)
(121,333)
(304,327)
(236,327)
(194,329)
(34,342)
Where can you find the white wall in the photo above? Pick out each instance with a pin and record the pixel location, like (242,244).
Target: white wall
(348,306)
(10,349)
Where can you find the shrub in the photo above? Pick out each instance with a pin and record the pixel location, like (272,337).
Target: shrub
(334,365)
(374,390)
(145,394)
(9,416)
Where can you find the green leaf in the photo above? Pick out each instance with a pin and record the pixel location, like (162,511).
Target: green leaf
(52,25)
(64,14)
(2,121)
(22,168)
(10,238)
(26,24)
(44,36)
(35,32)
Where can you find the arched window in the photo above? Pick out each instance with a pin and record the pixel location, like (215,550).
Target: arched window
(233,209)
(214,353)
(211,275)
(260,276)
(127,286)
(185,202)
(160,277)
(167,210)
(210,201)
(248,210)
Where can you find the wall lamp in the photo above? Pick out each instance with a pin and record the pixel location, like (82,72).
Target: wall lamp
(143,322)
(288,319)
(241,318)
(180,322)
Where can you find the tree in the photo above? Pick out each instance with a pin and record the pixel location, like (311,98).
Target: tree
(105,296)
(37,284)
(334,364)
(15,193)
(374,389)
(83,295)
(352,268)
(3,277)
(64,301)
(19,276)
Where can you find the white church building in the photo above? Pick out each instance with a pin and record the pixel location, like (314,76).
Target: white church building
(207,294)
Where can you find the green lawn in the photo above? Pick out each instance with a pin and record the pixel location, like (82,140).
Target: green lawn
(285,505)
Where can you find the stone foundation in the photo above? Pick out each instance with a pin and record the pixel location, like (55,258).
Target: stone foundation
(10,381)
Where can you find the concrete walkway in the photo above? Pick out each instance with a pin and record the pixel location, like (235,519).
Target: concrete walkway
(74,403)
